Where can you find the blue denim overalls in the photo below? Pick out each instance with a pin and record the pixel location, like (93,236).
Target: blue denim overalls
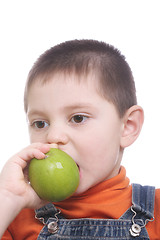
(131,225)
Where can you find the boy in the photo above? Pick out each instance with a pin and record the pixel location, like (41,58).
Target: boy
(80,97)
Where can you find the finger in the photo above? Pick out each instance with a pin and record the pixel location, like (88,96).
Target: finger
(35,150)
(53,145)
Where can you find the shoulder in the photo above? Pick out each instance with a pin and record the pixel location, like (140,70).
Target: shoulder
(26,224)
(158,193)
(157,200)
(156,222)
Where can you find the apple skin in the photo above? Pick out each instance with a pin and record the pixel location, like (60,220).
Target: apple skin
(54,178)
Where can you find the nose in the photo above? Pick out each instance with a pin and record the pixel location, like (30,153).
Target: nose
(57,134)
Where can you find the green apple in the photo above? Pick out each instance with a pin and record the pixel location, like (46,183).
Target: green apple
(54,178)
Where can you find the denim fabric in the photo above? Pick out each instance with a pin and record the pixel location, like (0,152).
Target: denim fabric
(142,210)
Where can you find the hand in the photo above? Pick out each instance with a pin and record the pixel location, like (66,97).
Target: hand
(14,183)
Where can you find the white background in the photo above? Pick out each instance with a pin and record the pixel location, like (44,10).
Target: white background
(29,27)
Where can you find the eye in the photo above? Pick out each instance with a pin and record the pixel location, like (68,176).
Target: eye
(78,119)
(40,124)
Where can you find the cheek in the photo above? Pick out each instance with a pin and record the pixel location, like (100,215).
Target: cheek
(91,146)
(31,137)
(100,145)
(35,137)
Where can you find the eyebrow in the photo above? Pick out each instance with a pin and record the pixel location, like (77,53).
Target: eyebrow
(78,106)
(34,112)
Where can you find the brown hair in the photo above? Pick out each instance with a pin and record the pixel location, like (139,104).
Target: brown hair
(83,57)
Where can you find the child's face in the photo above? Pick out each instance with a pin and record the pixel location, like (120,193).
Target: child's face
(82,123)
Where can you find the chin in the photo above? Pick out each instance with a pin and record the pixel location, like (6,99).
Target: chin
(81,189)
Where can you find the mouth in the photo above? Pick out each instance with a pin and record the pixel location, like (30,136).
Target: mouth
(80,174)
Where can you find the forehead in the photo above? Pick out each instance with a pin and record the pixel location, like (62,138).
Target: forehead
(86,81)
(73,89)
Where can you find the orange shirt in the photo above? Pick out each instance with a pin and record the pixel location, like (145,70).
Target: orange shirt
(108,200)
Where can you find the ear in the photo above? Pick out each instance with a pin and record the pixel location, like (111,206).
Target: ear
(132,124)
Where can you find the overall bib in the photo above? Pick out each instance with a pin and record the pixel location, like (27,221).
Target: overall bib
(131,225)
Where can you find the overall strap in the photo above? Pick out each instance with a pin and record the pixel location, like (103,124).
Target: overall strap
(49,210)
(142,208)
(143,200)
